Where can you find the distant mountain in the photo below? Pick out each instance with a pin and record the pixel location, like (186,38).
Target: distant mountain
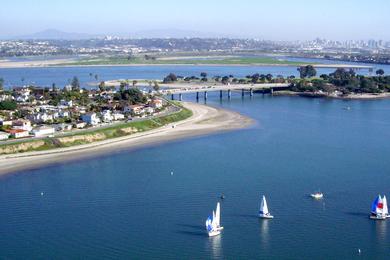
(174,33)
(52,34)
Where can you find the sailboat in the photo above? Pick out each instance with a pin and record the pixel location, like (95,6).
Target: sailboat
(379,210)
(213,224)
(317,195)
(263,212)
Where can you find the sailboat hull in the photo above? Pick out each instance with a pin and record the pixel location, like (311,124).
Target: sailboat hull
(266,216)
(317,196)
(214,233)
(378,217)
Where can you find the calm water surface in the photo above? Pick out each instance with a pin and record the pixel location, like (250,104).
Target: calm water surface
(63,75)
(128,205)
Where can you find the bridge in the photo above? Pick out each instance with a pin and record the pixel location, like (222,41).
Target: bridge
(184,89)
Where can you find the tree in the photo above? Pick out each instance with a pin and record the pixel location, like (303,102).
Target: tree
(225,79)
(255,77)
(122,86)
(380,72)
(133,96)
(268,77)
(102,86)
(156,87)
(170,78)
(134,83)
(8,105)
(307,71)
(75,84)
(1,84)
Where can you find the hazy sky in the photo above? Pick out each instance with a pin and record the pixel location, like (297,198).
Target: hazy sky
(267,19)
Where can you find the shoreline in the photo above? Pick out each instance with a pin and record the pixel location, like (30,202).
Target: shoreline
(365,96)
(204,121)
(53,64)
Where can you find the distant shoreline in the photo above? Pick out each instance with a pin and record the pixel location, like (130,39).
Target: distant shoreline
(205,120)
(354,96)
(62,63)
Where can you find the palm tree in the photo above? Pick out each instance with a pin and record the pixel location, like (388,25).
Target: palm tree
(134,83)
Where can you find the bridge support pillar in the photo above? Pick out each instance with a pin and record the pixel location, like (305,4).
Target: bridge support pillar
(242,92)
(220,94)
(272,91)
(180,97)
(197,96)
(172,97)
(229,93)
(251,92)
(205,95)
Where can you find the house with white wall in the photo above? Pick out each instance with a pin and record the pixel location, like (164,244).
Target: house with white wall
(90,118)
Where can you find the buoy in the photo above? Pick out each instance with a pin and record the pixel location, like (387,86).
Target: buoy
(41,193)
(171,173)
(222,196)
(359,251)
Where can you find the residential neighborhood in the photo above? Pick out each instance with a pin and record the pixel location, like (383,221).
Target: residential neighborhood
(30,111)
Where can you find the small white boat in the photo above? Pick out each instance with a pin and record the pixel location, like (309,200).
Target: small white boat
(317,195)
(263,212)
(379,209)
(213,224)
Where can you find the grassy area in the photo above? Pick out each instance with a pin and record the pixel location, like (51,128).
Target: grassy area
(207,61)
(93,136)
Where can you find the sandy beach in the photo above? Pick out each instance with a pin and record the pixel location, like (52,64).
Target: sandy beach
(205,120)
(7,64)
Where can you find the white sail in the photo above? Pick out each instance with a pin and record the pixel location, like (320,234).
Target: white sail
(218,215)
(385,209)
(264,207)
(214,221)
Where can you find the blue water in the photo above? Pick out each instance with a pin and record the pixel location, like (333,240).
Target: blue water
(62,76)
(128,205)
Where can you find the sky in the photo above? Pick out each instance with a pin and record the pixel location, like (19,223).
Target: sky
(263,19)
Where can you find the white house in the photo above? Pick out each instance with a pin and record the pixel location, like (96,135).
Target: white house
(22,125)
(18,133)
(22,98)
(157,103)
(136,109)
(118,116)
(66,103)
(41,117)
(80,125)
(6,122)
(107,116)
(4,97)
(4,135)
(43,130)
(90,118)
(63,113)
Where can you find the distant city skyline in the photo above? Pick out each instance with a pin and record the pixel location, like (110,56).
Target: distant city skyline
(276,20)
